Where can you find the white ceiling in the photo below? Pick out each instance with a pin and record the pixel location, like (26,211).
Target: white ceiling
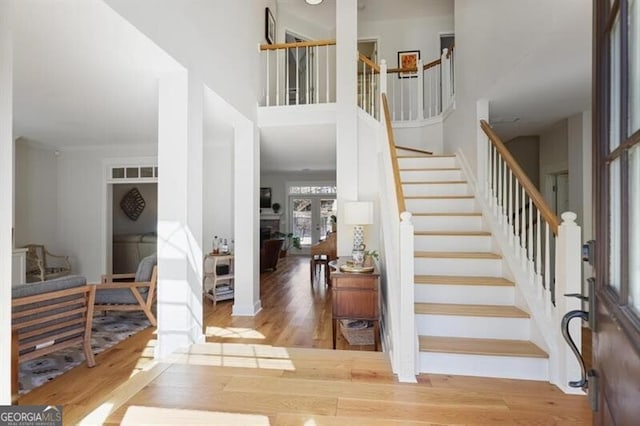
(298,148)
(83,76)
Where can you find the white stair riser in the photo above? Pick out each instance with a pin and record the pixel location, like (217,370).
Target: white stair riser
(453,267)
(432,189)
(441,205)
(464,294)
(447,223)
(452,243)
(485,366)
(474,327)
(430,175)
(426,162)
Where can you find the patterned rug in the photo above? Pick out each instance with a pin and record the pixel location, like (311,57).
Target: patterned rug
(107,331)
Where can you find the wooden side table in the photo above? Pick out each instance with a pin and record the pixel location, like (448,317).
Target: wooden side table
(222,286)
(356,296)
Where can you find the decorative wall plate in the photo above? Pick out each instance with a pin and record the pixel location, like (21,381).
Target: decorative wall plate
(132,204)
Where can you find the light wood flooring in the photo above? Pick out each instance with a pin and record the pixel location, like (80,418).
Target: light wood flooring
(267,371)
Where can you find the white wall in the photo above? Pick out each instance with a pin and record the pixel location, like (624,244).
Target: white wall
(425,135)
(147,221)
(526,151)
(6,198)
(82,204)
(218,40)
(407,34)
(36,197)
(553,157)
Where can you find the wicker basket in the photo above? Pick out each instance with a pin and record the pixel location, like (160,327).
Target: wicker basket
(357,336)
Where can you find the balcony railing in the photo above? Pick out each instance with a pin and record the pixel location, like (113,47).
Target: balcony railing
(299,73)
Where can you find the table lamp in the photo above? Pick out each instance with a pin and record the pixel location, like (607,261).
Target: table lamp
(358,213)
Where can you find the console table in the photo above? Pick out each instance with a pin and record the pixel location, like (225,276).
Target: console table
(356,296)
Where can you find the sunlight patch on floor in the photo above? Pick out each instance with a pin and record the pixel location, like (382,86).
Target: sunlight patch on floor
(147,358)
(234,332)
(137,415)
(98,416)
(238,355)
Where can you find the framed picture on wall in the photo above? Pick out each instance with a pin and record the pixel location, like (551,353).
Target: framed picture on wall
(265,198)
(408,59)
(269,26)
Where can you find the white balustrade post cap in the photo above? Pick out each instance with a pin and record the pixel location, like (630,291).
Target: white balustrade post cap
(405,216)
(569,218)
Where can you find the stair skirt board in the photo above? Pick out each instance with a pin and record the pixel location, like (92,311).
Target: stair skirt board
(452,243)
(471,267)
(489,295)
(422,175)
(431,162)
(485,366)
(442,205)
(473,327)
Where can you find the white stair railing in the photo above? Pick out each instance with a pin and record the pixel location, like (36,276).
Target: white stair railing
(543,254)
(399,257)
(299,73)
(422,92)
(368,85)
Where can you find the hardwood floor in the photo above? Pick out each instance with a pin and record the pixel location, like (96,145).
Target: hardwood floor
(274,370)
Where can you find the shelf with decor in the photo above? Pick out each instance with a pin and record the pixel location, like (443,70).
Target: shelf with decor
(218,277)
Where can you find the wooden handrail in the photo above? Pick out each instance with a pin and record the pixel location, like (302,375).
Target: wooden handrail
(310,43)
(545,211)
(368,62)
(397,70)
(394,156)
(432,64)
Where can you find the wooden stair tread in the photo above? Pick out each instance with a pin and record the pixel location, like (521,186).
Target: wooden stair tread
(437,182)
(470,346)
(429,169)
(457,255)
(453,233)
(449,214)
(493,311)
(462,280)
(438,197)
(422,156)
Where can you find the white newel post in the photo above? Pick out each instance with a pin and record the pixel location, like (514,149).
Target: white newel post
(420,99)
(383,86)
(568,280)
(482,113)
(408,346)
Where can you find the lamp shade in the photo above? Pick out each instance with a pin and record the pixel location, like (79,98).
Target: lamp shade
(358,213)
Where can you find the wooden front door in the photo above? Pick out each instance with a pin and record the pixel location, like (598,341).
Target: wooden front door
(617,178)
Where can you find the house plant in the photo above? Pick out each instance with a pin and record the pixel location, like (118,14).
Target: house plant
(370,257)
(290,240)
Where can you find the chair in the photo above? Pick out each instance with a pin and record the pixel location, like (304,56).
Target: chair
(113,294)
(321,254)
(39,264)
(270,253)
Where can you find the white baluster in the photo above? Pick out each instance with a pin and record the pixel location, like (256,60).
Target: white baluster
(438,88)
(510,212)
(327,75)
(530,238)
(268,82)
(286,76)
(316,59)
(383,85)
(538,249)
(297,75)
(523,228)
(420,91)
(505,200)
(500,201)
(516,219)
(402,98)
(547,257)
(277,77)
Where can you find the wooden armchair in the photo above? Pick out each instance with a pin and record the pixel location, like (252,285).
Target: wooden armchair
(39,264)
(114,293)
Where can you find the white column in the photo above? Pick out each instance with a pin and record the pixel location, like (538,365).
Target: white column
(346,113)
(568,280)
(247,219)
(482,113)
(179,213)
(6,198)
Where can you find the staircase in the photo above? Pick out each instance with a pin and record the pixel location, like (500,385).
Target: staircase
(466,317)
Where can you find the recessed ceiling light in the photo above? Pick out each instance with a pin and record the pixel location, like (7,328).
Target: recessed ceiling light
(313,2)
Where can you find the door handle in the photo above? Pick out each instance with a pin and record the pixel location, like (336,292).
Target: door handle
(566,319)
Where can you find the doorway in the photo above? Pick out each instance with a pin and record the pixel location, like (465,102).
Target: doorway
(311,218)
(560,187)
(300,71)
